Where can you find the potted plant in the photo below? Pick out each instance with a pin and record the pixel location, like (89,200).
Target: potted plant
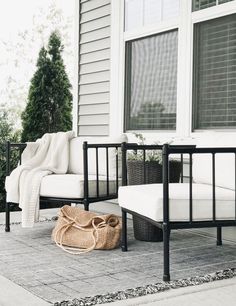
(152,168)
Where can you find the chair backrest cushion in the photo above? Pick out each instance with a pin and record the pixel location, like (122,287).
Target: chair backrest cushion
(76,156)
(224,164)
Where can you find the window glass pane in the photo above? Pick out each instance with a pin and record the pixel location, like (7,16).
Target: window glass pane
(170,9)
(224,1)
(215,73)
(139,13)
(151,81)
(152,11)
(133,14)
(202,4)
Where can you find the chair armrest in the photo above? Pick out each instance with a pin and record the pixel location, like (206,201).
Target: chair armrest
(9,146)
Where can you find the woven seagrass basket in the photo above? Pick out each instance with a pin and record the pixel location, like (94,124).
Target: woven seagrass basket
(144,230)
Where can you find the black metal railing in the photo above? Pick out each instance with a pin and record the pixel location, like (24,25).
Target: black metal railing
(168,150)
(115,147)
(86,147)
(127,147)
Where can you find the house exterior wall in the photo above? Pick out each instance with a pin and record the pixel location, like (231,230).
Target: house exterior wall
(184,23)
(94,68)
(101,80)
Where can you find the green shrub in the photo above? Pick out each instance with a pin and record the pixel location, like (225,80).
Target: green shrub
(6,133)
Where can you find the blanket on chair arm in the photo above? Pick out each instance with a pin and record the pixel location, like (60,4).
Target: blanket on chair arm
(47,155)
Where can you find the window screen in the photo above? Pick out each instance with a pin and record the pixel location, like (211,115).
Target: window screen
(214,86)
(151,81)
(202,4)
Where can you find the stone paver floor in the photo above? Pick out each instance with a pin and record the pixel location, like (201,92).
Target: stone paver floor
(30,259)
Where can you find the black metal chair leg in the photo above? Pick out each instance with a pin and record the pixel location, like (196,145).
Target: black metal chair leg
(124,247)
(219,236)
(7,222)
(166,253)
(86,205)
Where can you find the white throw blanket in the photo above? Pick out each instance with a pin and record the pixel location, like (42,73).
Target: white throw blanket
(47,155)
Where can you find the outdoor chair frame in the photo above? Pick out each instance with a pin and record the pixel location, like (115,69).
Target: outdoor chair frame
(52,202)
(168,225)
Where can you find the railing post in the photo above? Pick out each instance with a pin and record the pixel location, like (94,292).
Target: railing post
(213,188)
(165,162)
(124,165)
(124,183)
(117,170)
(97,173)
(166,227)
(7,205)
(190,187)
(219,236)
(124,247)
(86,187)
(235,186)
(144,167)
(107,169)
(8,148)
(182,168)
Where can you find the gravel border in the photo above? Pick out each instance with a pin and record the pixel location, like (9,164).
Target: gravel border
(149,289)
(54,218)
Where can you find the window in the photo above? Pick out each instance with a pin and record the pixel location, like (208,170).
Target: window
(139,13)
(202,4)
(151,82)
(214,85)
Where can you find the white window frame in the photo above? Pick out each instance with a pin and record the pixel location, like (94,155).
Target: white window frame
(185,25)
(75,102)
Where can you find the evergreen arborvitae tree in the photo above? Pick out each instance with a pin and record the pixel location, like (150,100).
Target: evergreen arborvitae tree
(49,104)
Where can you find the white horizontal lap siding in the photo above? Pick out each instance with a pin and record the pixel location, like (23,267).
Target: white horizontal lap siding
(96,98)
(94,120)
(100,108)
(88,89)
(94,56)
(94,68)
(96,77)
(95,24)
(97,66)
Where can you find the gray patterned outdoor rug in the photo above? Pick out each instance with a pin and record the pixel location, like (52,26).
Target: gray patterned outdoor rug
(30,259)
(149,289)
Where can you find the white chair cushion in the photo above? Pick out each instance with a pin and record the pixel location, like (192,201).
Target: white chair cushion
(72,186)
(76,156)
(147,200)
(224,163)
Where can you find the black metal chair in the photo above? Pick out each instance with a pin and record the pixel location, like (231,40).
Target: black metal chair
(86,199)
(165,223)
